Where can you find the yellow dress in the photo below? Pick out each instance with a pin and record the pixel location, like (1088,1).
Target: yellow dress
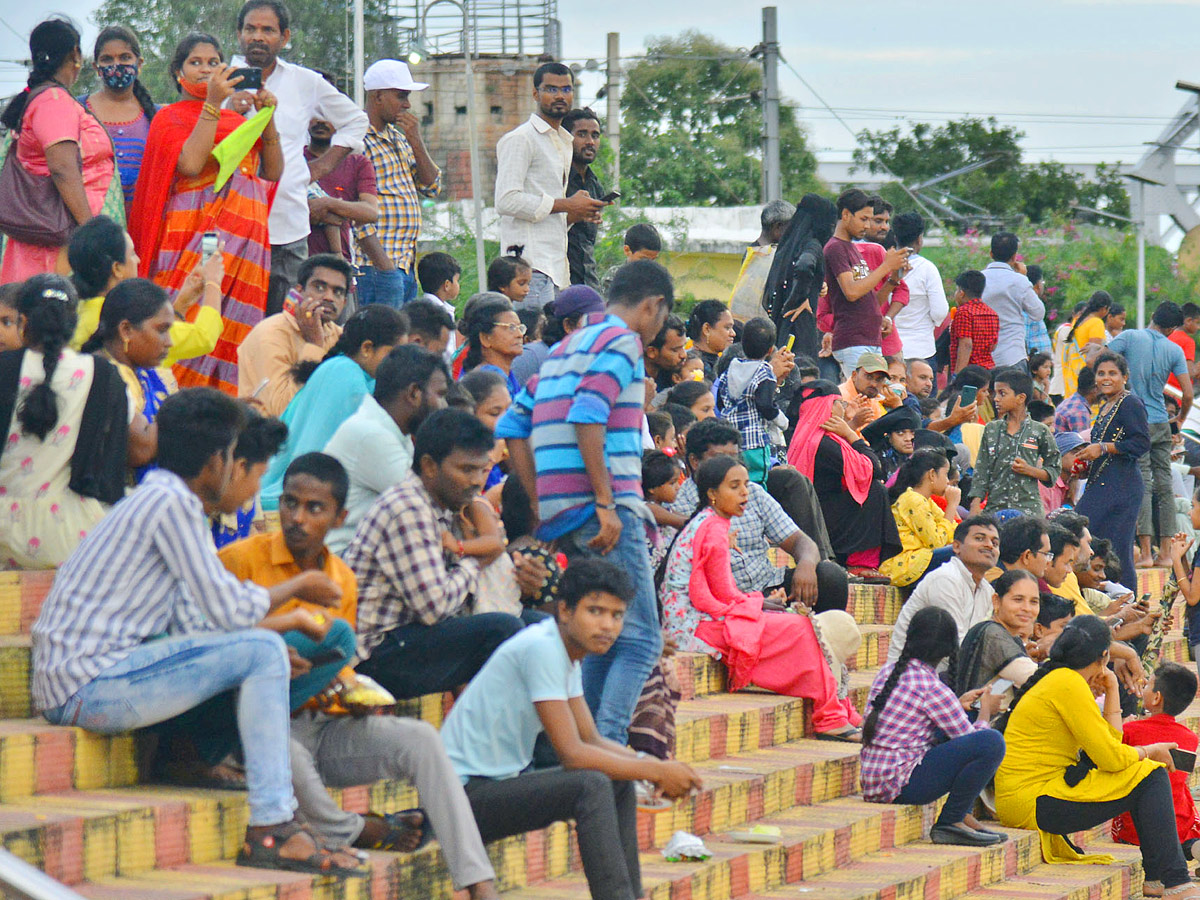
(188,339)
(1052,723)
(1090,329)
(923,528)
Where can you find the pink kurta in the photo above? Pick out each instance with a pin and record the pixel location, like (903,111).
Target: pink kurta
(703,609)
(55,116)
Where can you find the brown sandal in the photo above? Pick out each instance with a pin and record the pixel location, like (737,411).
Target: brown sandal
(263,852)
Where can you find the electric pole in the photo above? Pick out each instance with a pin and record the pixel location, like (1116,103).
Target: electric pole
(613,94)
(772,187)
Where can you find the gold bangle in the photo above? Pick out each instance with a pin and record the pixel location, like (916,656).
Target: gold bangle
(215,284)
(270,142)
(211,110)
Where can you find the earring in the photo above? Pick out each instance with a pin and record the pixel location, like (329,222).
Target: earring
(126,346)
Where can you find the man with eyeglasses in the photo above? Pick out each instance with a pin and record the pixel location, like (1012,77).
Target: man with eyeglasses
(533,166)
(303,332)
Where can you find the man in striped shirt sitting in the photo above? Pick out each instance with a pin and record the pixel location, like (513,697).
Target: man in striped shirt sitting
(575,440)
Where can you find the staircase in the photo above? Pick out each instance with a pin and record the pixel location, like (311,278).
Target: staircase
(71,804)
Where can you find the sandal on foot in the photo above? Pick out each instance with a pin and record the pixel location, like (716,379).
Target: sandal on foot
(400,826)
(846,736)
(866,575)
(263,851)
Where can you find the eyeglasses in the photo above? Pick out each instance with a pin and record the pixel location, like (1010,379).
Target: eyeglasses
(555,90)
(1046,554)
(516,326)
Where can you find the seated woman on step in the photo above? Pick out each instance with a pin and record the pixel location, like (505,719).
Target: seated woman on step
(759,641)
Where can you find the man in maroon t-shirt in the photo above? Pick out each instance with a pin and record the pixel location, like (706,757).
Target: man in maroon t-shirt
(351,195)
(858,322)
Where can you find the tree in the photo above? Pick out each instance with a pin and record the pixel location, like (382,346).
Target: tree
(320,33)
(1005,187)
(691,128)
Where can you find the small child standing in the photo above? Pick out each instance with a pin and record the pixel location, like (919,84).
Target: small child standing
(1016,454)
(1171,690)
(662,433)
(746,396)
(438,274)
(510,275)
(660,486)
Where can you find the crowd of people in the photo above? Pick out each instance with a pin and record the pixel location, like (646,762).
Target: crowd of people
(288,479)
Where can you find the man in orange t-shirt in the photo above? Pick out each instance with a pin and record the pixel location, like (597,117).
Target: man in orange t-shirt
(1185,338)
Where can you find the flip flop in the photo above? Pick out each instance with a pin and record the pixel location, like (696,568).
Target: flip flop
(849,736)
(400,826)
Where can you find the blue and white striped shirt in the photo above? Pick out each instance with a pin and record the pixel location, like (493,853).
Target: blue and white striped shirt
(147,569)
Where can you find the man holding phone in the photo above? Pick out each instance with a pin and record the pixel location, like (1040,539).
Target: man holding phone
(584,126)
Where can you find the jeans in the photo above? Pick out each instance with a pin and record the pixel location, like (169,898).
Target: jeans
(605,814)
(286,260)
(393,289)
(1156,470)
(427,659)
(1153,813)
(344,751)
(340,637)
(542,290)
(959,768)
(162,679)
(848,357)
(613,682)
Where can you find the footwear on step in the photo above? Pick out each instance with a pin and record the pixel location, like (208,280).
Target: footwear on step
(962,836)
(851,735)
(262,849)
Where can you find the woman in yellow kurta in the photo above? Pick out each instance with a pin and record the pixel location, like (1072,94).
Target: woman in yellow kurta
(1087,329)
(1066,770)
(926,532)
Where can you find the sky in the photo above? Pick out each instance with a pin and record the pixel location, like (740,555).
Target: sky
(1086,80)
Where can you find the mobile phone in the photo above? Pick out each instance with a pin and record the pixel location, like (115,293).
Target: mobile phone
(208,245)
(1185,760)
(329,656)
(610,197)
(967,395)
(1000,685)
(251,78)
(790,341)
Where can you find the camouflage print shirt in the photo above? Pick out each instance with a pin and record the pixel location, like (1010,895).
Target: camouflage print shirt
(994,478)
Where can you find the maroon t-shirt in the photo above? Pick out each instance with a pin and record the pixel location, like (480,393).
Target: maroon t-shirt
(857,323)
(353,177)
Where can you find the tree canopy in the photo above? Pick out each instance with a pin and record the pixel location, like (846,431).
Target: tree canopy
(691,128)
(1005,188)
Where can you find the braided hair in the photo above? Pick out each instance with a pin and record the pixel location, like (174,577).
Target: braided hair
(126,36)
(50,43)
(382,325)
(48,304)
(1082,642)
(932,637)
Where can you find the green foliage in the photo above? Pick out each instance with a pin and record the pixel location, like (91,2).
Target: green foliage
(690,134)
(320,33)
(1076,261)
(1006,187)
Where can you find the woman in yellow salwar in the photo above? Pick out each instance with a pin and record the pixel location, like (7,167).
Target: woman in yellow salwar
(209,170)
(1066,770)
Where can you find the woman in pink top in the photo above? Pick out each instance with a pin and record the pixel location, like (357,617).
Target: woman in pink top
(54,135)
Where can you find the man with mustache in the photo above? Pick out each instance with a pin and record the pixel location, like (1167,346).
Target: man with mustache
(584,126)
(533,163)
(264,29)
(303,332)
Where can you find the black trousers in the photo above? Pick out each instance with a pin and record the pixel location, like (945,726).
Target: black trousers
(605,814)
(1153,813)
(795,493)
(833,586)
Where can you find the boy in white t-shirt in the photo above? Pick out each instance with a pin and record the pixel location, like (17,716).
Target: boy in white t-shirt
(533,683)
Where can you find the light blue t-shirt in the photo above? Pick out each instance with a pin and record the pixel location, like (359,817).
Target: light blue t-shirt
(492,727)
(1151,357)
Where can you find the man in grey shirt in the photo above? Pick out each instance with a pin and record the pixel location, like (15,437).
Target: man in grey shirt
(1010,294)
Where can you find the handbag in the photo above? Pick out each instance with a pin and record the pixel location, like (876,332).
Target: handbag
(31,209)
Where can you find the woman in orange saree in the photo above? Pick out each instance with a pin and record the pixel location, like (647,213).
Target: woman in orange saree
(196,178)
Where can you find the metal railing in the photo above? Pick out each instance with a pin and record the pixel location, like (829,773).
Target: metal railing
(21,881)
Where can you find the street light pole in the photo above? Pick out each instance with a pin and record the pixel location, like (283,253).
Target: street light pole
(472,133)
(358,52)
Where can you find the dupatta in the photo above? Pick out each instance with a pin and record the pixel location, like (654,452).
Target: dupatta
(857,471)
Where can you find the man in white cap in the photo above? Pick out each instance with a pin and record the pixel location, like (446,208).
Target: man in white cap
(404,172)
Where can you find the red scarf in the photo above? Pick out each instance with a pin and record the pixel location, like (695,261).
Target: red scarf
(857,471)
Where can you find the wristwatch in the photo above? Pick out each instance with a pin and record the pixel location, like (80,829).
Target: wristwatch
(611,507)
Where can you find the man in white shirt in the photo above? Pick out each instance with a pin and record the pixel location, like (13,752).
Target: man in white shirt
(1009,293)
(263,31)
(927,306)
(957,586)
(533,163)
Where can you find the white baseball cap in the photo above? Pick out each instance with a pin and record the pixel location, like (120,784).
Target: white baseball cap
(390,74)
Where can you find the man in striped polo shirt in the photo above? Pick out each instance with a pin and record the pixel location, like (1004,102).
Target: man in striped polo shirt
(575,440)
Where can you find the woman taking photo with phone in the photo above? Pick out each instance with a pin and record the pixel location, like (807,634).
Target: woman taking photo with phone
(180,199)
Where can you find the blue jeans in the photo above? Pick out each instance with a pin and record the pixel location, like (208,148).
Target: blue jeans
(541,291)
(848,358)
(393,289)
(959,768)
(613,682)
(162,679)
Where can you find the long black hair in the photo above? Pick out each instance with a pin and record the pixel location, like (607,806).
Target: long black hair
(126,35)
(50,43)
(133,301)
(479,321)
(707,477)
(932,637)
(96,246)
(913,469)
(1098,301)
(48,304)
(1082,642)
(382,325)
